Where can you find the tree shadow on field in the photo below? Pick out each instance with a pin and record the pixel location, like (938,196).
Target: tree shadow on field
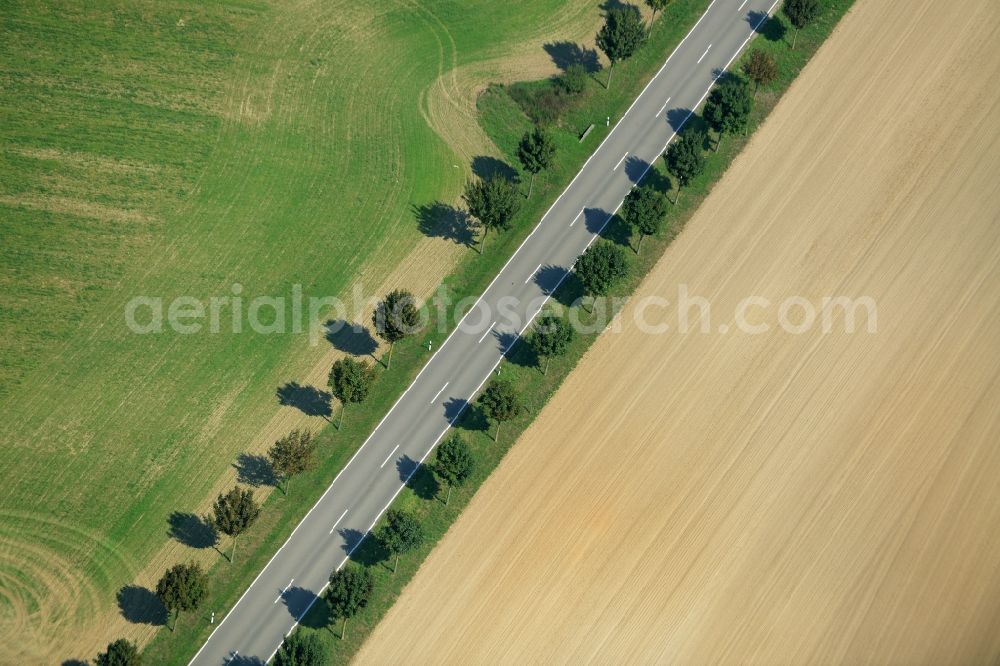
(140,606)
(421,481)
(568,53)
(254,470)
(439,220)
(75,662)
(609,5)
(350,337)
(192,530)
(772,28)
(307,399)
(485,166)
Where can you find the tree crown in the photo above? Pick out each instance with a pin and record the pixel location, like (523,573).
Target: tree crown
(120,653)
(301,649)
(493,201)
(455,461)
(622,33)
(601,266)
(760,67)
(536,150)
(551,335)
(396,316)
(293,454)
(685,160)
(401,533)
(728,107)
(183,587)
(800,12)
(235,511)
(351,380)
(501,400)
(645,208)
(349,591)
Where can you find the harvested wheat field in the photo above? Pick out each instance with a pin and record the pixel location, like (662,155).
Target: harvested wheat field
(775,498)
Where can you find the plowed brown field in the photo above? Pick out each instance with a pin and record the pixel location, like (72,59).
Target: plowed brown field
(776,498)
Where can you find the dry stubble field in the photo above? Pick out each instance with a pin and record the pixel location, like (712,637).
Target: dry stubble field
(776,498)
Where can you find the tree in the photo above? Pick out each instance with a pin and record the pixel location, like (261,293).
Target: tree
(120,653)
(800,13)
(574,79)
(551,337)
(301,649)
(760,68)
(293,454)
(235,512)
(644,209)
(728,107)
(350,381)
(400,534)
(501,402)
(601,266)
(685,160)
(182,588)
(454,462)
(395,317)
(536,151)
(621,35)
(349,592)
(657,5)
(493,202)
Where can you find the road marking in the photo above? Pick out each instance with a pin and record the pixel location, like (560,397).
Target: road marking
(388,457)
(439,393)
(620,162)
(532,274)
(704,54)
(283,591)
(487,332)
(577,217)
(338,521)
(524,242)
(743,5)
(663,107)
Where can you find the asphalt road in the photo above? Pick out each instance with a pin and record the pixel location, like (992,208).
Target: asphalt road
(253,630)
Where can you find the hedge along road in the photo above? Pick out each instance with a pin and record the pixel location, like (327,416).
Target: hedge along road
(298,573)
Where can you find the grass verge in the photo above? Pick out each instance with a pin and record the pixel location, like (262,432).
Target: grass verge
(504,121)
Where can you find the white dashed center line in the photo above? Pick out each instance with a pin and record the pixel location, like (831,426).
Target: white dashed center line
(388,456)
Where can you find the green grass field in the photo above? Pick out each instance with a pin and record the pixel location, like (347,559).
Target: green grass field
(175,148)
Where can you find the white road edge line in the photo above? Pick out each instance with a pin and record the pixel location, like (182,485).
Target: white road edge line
(485,291)
(704,54)
(532,274)
(577,217)
(743,5)
(438,394)
(338,521)
(662,108)
(488,331)
(620,162)
(388,457)
(283,591)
